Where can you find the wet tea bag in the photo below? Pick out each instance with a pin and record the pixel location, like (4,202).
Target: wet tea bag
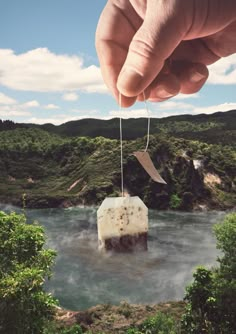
(122,224)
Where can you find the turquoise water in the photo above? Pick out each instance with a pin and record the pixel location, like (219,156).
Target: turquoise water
(83,277)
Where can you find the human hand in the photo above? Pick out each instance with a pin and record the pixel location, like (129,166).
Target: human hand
(162,47)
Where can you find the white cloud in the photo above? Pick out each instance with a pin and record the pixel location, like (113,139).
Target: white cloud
(57,119)
(219,107)
(173,105)
(126,113)
(43,71)
(7,111)
(30,104)
(17,109)
(70,97)
(44,120)
(87,112)
(51,106)
(223,71)
(170,108)
(97,88)
(186,96)
(4,99)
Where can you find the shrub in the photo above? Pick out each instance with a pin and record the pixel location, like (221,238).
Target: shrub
(24,265)
(175,201)
(75,329)
(160,323)
(212,295)
(53,327)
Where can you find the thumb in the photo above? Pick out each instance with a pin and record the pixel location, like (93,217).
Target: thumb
(162,30)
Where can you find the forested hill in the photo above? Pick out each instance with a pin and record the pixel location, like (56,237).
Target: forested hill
(55,166)
(216,128)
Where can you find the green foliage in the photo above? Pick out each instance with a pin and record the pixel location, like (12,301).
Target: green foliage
(76,329)
(226,242)
(175,201)
(215,128)
(44,162)
(161,323)
(199,295)
(24,265)
(188,126)
(52,327)
(133,331)
(212,295)
(125,310)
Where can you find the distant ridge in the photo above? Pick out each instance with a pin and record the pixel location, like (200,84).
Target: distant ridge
(218,127)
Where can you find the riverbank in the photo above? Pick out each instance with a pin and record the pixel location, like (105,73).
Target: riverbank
(117,319)
(31,201)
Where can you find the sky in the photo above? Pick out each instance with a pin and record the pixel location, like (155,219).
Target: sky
(49,69)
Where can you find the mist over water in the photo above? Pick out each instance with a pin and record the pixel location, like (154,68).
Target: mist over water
(83,277)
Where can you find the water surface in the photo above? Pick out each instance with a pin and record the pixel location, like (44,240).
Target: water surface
(83,277)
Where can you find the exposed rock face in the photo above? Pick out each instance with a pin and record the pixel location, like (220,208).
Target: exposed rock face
(190,178)
(191,182)
(184,180)
(187,201)
(212,179)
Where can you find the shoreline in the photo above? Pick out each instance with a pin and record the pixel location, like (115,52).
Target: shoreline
(68,204)
(108,318)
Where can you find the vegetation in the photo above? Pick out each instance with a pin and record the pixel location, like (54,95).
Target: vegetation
(79,163)
(175,201)
(218,128)
(24,265)
(26,308)
(53,328)
(55,169)
(212,295)
(161,323)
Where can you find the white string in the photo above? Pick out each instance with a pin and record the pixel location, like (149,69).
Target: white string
(121,140)
(121,151)
(148,126)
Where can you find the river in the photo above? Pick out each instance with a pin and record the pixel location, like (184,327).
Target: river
(83,277)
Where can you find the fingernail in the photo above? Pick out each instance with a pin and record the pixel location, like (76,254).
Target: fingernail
(129,82)
(196,77)
(163,94)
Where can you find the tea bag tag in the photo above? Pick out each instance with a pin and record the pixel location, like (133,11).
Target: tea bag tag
(146,162)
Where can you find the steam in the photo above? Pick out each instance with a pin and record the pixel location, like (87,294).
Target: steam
(83,277)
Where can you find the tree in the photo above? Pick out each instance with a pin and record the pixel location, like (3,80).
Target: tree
(24,265)
(212,295)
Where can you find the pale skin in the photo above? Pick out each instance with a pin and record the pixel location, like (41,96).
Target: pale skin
(159,48)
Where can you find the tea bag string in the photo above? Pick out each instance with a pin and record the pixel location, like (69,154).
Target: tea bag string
(121,150)
(121,139)
(149,121)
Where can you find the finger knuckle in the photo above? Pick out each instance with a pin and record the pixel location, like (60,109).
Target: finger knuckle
(142,48)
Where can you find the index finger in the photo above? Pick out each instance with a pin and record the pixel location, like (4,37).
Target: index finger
(115,30)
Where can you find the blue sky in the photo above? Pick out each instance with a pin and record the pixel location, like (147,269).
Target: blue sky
(49,70)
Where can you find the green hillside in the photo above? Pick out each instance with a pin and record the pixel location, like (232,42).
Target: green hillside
(194,154)
(217,128)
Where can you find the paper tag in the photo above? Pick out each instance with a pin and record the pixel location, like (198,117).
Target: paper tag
(145,160)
